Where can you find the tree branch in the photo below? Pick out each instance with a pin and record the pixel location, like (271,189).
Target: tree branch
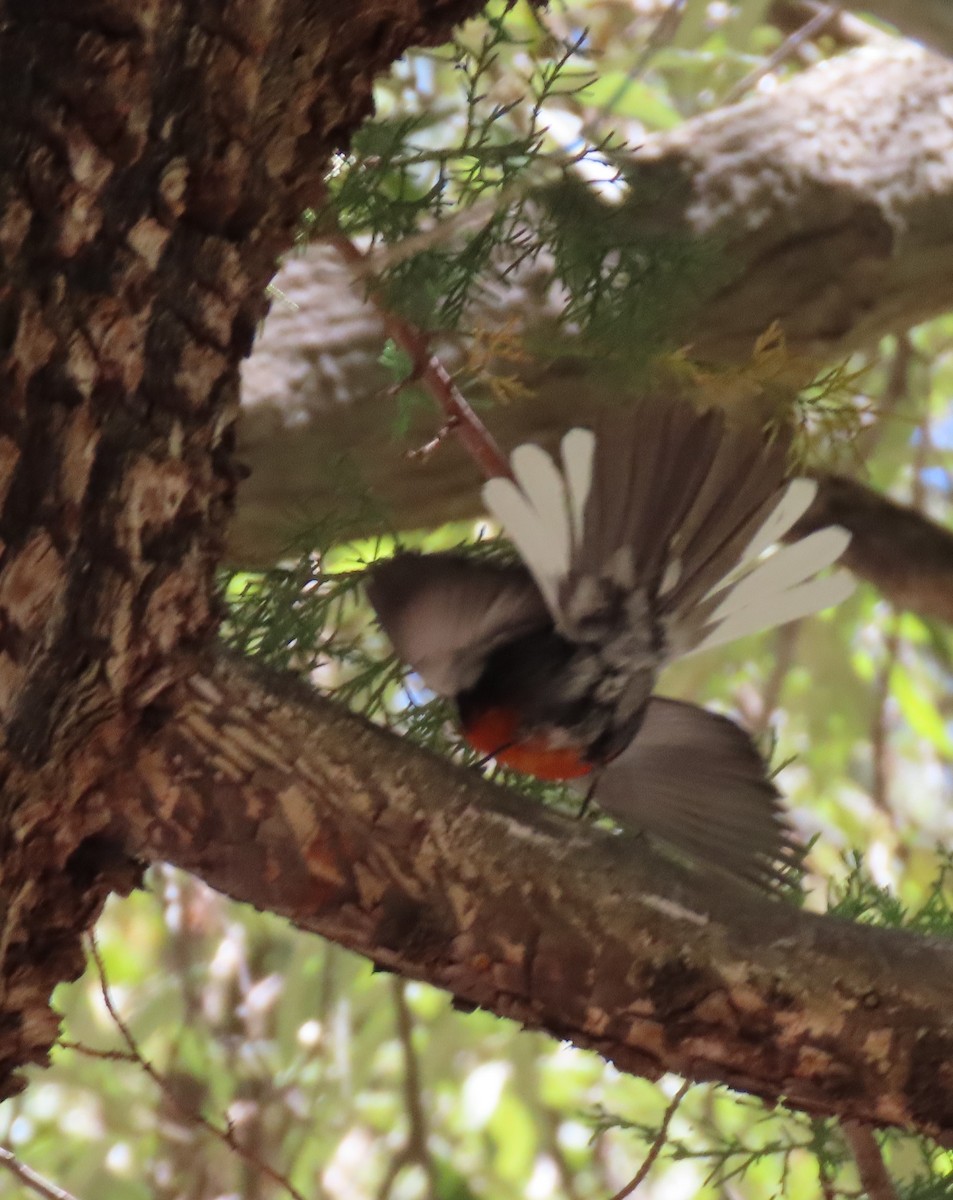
(30,1179)
(874,1179)
(841,233)
(433,375)
(905,555)
(276,797)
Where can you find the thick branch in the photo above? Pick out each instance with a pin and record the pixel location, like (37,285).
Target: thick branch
(278,798)
(832,202)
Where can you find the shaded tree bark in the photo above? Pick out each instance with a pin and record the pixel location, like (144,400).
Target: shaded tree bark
(155,156)
(906,556)
(832,197)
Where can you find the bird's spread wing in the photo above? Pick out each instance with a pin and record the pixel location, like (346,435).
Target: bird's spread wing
(444,613)
(696,779)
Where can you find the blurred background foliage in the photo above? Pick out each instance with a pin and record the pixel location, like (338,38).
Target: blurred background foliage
(350,1083)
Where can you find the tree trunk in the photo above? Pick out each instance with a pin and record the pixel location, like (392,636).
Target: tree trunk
(154,162)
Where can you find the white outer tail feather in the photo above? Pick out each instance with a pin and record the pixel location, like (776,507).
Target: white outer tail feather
(786,568)
(578,450)
(543,514)
(806,598)
(543,511)
(797,499)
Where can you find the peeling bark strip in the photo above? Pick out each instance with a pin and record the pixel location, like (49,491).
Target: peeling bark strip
(278,798)
(155,156)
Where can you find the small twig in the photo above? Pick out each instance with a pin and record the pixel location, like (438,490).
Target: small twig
(36,1183)
(874,1179)
(92,1052)
(224,1135)
(827,1185)
(784,648)
(662,33)
(656,1148)
(418,1148)
(793,42)
(880,728)
(430,372)
(435,442)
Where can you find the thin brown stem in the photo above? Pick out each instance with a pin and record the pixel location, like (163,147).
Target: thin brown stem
(788,47)
(430,372)
(880,729)
(28,1177)
(418,1148)
(785,644)
(227,1134)
(656,1148)
(92,1052)
(874,1179)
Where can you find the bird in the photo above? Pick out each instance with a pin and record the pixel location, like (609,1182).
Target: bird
(655,536)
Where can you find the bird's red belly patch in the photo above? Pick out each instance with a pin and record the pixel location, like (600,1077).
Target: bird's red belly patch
(494,732)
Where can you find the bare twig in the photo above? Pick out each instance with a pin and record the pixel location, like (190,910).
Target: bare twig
(226,1135)
(656,1148)
(874,1179)
(785,644)
(92,1052)
(792,43)
(430,372)
(846,30)
(416,1149)
(662,33)
(880,729)
(36,1183)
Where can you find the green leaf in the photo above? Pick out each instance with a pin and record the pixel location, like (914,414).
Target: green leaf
(918,706)
(397,361)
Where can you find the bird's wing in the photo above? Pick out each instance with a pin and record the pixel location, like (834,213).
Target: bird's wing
(696,779)
(444,613)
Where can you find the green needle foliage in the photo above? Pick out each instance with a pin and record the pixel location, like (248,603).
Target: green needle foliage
(470,190)
(311,616)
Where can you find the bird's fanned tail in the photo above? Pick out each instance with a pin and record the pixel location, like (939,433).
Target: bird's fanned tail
(680,505)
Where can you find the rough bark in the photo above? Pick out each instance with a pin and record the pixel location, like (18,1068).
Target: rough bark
(278,798)
(832,197)
(155,156)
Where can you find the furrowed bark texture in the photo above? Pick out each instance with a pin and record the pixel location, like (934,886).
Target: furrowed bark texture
(277,797)
(155,156)
(831,198)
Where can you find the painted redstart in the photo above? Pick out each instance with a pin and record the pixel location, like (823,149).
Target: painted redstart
(650,541)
